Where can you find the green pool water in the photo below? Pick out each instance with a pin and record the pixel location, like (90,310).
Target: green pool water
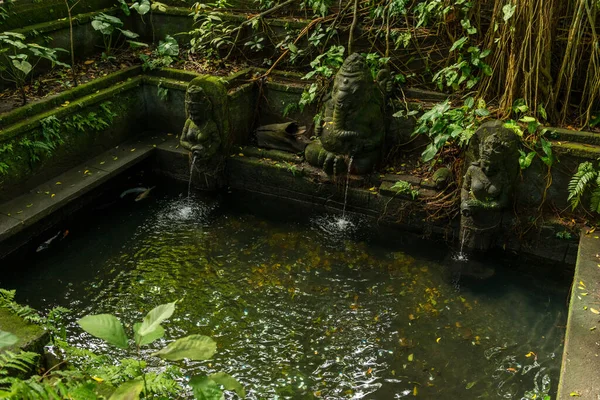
(302,309)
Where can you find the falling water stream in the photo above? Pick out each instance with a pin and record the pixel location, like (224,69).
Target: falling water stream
(347,185)
(191,175)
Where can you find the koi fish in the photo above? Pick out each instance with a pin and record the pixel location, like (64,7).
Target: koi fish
(48,242)
(144,194)
(134,190)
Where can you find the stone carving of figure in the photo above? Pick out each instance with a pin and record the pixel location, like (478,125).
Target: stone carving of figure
(353,124)
(486,189)
(201,134)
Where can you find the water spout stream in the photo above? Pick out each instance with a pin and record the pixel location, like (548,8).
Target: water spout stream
(191,175)
(346,191)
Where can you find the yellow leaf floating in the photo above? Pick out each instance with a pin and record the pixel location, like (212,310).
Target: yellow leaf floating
(52,195)
(438,339)
(594,311)
(411,357)
(415,391)
(59,183)
(581,283)
(132,150)
(372,189)
(531,353)
(575,394)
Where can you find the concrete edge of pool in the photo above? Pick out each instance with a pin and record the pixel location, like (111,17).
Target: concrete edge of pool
(581,354)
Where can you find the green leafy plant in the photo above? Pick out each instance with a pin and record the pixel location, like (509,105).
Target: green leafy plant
(403,187)
(164,55)
(20,59)
(446,125)
(5,149)
(107,25)
(324,67)
(211,34)
(194,347)
(7,301)
(587,178)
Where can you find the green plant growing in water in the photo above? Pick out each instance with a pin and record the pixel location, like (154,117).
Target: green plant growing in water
(193,347)
(403,187)
(21,58)
(107,25)
(585,179)
(446,125)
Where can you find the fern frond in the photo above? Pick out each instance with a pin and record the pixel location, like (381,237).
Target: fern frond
(23,361)
(595,200)
(580,181)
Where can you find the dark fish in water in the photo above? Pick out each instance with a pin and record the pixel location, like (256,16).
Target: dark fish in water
(60,235)
(144,194)
(134,190)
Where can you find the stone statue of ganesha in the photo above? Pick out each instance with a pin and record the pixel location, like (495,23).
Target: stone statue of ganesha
(353,124)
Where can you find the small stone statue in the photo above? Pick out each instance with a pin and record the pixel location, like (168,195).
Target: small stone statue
(487,185)
(203,132)
(353,126)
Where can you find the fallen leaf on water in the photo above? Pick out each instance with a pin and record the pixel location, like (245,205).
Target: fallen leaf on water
(585,307)
(372,189)
(593,328)
(102,162)
(594,311)
(575,394)
(132,150)
(20,212)
(511,370)
(415,391)
(438,339)
(87,171)
(470,385)
(411,357)
(115,158)
(369,371)
(530,354)
(29,205)
(59,183)
(411,317)
(52,195)
(581,283)
(458,325)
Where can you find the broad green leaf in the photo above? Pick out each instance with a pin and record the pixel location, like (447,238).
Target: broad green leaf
(459,43)
(229,383)
(194,347)
(527,119)
(142,7)
(526,159)
(128,391)
(124,7)
(429,152)
(162,7)
(129,34)
(111,19)
(136,45)
(23,66)
(168,47)
(7,339)
(508,10)
(155,317)
(205,388)
(106,327)
(148,338)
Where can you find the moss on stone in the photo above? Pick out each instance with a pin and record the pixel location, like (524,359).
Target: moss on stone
(89,88)
(32,337)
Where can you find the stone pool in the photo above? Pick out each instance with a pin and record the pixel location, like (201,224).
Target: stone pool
(301,308)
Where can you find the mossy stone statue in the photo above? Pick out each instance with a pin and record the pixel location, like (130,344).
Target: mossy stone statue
(206,130)
(488,184)
(353,126)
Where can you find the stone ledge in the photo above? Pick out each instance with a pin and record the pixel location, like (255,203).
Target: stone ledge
(50,197)
(581,355)
(32,337)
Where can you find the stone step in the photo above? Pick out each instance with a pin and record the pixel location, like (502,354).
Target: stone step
(570,135)
(576,149)
(58,193)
